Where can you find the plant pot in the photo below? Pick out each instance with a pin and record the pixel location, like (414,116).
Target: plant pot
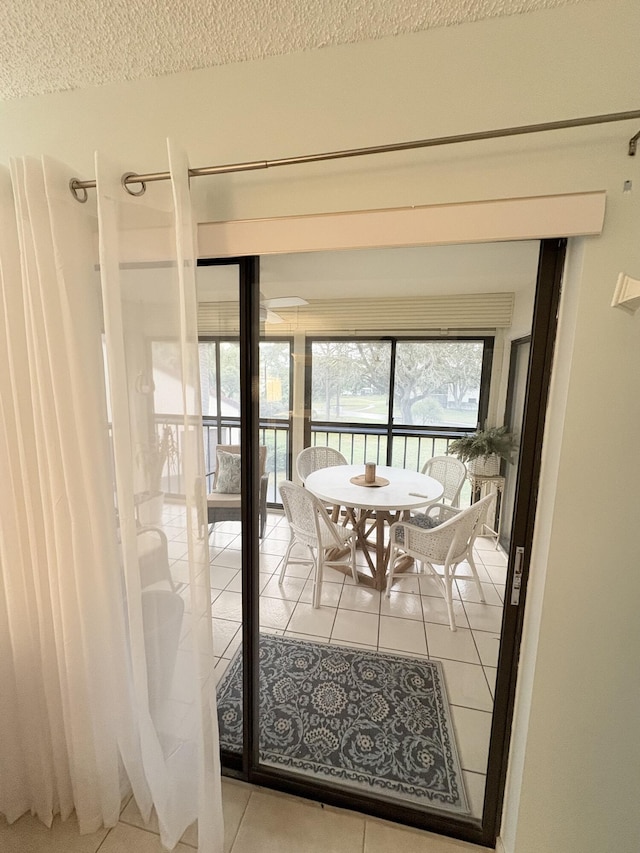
(484,466)
(150,508)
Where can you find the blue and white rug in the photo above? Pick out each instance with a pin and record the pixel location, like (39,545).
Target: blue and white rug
(357,718)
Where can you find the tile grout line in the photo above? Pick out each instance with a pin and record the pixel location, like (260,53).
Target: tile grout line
(105,838)
(424,621)
(240,822)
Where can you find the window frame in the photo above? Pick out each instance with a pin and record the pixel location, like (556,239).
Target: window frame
(391,429)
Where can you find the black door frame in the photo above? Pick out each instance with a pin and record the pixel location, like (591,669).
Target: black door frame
(516,346)
(543,338)
(543,335)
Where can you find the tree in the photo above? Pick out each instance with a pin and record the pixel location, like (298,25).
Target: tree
(229,377)
(417,377)
(374,359)
(431,369)
(335,370)
(428,376)
(207,361)
(462,367)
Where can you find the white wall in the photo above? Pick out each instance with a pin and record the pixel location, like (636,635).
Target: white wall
(576,765)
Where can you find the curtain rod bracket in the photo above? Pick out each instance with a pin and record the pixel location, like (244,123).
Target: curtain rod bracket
(633,144)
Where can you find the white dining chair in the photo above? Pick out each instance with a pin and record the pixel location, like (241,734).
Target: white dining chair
(447,544)
(313,458)
(451,473)
(311,528)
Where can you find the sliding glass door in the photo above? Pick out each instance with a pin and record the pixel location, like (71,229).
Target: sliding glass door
(222,411)
(342,692)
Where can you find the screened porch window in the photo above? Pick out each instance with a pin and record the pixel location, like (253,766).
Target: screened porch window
(220,388)
(396,401)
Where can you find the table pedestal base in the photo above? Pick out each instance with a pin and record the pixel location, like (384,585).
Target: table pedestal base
(376,552)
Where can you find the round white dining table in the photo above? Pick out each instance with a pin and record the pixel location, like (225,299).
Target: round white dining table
(380,505)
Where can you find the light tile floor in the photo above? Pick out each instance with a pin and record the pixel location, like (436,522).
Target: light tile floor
(256,821)
(413,622)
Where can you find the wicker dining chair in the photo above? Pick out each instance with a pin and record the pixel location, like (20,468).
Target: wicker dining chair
(313,458)
(451,473)
(311,528)
(447,544)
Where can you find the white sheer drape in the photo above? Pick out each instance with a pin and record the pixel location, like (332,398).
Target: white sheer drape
(106,662)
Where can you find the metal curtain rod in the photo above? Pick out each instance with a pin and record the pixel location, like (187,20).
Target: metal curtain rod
(76,186)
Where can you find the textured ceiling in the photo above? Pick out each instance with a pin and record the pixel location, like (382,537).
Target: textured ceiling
(68,44)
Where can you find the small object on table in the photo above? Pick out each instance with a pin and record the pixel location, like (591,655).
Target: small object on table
(369,472)
(361,480)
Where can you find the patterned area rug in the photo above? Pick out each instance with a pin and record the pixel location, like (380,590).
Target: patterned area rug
(359,718)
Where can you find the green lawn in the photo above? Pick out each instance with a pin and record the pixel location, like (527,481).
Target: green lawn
(374,409)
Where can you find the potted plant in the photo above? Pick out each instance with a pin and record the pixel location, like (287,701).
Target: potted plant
(153,458)
(482,450)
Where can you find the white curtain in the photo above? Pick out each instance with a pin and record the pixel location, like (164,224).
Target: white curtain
(106,659)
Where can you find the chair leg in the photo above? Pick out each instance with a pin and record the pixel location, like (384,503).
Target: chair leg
(448,585)
(317,580)
(287,554)
(474,572)
(392,561)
